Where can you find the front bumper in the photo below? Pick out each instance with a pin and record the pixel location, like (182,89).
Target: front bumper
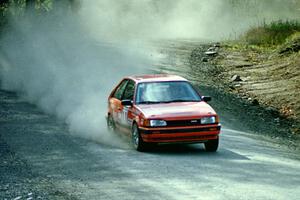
(180,134)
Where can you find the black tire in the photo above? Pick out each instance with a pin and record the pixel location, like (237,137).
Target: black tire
(137,140)
(212,145)
(111,124)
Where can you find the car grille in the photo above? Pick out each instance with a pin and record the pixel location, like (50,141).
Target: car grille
(190,122)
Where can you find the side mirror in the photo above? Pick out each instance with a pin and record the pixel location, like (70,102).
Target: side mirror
(206,98)
(126,102)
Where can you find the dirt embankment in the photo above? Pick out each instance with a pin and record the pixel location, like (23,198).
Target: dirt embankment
(267,80)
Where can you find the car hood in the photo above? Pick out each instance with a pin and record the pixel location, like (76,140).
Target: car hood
(174,110)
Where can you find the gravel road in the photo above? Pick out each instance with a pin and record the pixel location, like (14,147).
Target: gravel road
(41,159)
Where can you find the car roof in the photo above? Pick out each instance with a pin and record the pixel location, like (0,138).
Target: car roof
(156,78)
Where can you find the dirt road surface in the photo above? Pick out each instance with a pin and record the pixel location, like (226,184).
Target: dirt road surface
(40,159)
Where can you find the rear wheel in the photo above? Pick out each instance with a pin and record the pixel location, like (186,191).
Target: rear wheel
(137,140)
(212,145)
(111,124)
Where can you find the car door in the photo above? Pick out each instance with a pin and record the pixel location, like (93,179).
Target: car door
(115,102)
(126,113)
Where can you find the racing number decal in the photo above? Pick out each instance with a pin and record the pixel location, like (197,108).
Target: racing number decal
(123,116)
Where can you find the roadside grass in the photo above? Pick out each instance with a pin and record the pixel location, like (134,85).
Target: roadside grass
(276,37)
(271,34)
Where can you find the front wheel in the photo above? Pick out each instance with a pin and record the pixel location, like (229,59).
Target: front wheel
(211,145)
(137,140)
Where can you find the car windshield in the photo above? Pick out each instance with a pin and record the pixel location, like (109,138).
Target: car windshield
(166,92)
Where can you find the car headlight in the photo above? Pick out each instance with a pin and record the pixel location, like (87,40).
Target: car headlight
(208,120)
(158,123)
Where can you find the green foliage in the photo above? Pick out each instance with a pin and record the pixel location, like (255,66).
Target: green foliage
(45,5)
(3,11)
(18,7)
(274,33)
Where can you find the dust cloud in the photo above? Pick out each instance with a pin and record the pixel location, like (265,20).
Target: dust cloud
(176,19)
(54,64)
(67,62)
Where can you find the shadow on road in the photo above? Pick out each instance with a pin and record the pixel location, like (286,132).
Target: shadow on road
(194,150)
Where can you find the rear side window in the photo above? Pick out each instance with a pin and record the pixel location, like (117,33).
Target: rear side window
(119,91)
(129,91)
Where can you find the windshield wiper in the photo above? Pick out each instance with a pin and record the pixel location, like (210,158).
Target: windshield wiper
(172,101)
(181,100)
(149,102)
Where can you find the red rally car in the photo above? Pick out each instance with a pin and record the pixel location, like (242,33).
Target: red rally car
(162,108)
